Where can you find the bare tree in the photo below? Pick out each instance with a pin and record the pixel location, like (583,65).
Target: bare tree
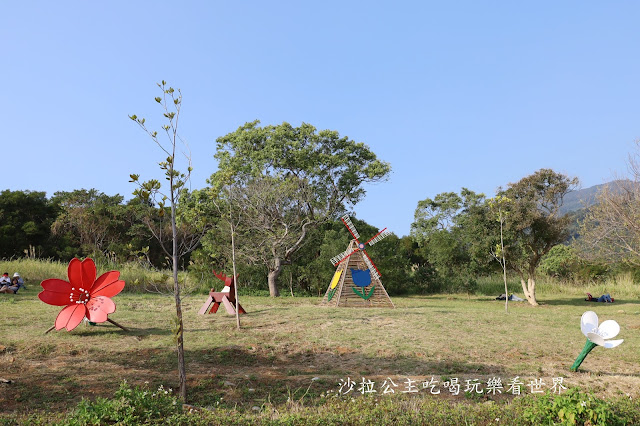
(610,231)
(273,220)
(184,231)
(230,217)
(497,205)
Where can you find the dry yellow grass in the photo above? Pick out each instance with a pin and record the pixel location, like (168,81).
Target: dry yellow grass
(290,347)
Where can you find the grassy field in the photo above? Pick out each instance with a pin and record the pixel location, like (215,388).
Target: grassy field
(292,354)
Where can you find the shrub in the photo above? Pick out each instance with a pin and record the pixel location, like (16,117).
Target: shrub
(571,407)
(129,406)
(560,262)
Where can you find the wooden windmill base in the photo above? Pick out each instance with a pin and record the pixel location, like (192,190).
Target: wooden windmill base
(344,293)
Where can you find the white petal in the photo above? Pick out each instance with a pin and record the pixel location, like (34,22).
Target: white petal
(596,338)
(609,329)
(612,343)
(588,322)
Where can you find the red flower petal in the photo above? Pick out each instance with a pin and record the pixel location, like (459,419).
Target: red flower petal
(107,285)
(82,274)
(71,316)
(56,292)
(99,307)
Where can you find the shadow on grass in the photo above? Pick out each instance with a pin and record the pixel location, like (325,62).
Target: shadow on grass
(111,329)
(585,303)
(231,374)
(244,376)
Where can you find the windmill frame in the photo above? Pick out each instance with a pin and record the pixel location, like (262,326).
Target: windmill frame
(356,281)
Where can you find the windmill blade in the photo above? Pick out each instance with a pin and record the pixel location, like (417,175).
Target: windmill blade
(350,227)
(342,256)
(374,271)
(379,236)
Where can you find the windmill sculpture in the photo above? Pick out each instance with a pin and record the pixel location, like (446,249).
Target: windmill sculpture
(356,281)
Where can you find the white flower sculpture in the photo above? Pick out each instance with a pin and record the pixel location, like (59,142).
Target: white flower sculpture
(596,335)
(607,330)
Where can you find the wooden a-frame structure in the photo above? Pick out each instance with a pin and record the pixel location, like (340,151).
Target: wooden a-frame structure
(343,292)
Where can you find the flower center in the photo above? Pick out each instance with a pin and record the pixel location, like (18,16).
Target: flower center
(600,333)
(80,296)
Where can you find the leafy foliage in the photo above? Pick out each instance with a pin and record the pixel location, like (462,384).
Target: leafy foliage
(534,224)
(455,233)
(130,405)
(560,262)
(288,180)
(25,222)
(571,407)
(91,219)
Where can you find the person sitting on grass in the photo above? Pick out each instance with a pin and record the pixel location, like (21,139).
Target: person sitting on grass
(5,280)
(14,285)
(604,298)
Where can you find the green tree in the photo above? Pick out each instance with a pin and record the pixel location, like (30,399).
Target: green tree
(290,180)
(25,223)
(455,232)
(562,262)
(186,227)
(94,219)
(534,223)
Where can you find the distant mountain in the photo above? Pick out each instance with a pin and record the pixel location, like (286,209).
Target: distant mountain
(583,198)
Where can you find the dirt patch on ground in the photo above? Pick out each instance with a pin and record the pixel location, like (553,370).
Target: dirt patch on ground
(246,376)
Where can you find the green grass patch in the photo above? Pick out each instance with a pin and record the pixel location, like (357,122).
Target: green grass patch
(286,363)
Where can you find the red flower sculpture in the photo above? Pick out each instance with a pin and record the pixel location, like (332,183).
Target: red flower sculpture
(83,295)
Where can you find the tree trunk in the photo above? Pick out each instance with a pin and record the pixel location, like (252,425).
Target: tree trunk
(506,290)
(274,273)
(291,283)
(235,275)
(532,291)
(529,289)
(503,263)
(182,374)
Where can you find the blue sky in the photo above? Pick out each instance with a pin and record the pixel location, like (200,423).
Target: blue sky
(472,94)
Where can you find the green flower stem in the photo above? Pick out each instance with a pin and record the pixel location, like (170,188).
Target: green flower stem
(331,293)
(585,351)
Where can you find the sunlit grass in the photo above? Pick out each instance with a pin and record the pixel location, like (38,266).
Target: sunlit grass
(291,344)
(138,278)
(620,285)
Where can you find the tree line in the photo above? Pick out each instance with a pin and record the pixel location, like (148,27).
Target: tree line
(283,189)
(454,238)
